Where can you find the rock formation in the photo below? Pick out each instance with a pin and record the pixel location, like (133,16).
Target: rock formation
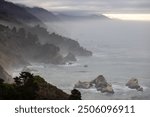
(100,84)
(134,84)
(107,89)
(70,57)
(75,95)
(83,85)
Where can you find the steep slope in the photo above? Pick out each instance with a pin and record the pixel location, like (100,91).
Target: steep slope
(30,87)
(8,56)
(13,13)
(25,45)
(65,44)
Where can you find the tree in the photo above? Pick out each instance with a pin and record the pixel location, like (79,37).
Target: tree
(18,81)
(23,78)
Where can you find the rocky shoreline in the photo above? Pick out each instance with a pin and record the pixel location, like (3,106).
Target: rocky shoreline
(47,91)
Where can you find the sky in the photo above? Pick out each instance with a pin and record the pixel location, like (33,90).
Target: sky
(117,9)
(102,6)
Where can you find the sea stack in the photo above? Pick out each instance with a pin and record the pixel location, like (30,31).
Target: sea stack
(134,84)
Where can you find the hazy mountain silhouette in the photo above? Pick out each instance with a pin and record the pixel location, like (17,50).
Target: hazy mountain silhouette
(16,14)
(42,14)
(22,44)
(65,17)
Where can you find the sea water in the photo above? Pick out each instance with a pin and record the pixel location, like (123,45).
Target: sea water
(121,51)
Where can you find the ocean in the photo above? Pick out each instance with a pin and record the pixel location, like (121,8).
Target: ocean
(121,51)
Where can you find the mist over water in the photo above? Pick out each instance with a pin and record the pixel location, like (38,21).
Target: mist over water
(120,51)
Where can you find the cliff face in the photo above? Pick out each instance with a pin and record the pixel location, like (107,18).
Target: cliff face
(65,44)
(5,76)
(18,46)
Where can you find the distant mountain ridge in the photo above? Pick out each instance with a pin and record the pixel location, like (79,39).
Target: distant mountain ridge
(65,17)
(43,14)
(13,13)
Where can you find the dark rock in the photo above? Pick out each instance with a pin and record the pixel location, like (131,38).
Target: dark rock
(100,81)
(75,95)
(140,89)
(134,84)
(85,66)
(102,85)
(70,63)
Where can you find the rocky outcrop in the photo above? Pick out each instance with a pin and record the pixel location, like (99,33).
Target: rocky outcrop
(75,95)
(70,57)
(134,84)
(5,76)
(83,85)
(100,84)
(65,44)
(107,89)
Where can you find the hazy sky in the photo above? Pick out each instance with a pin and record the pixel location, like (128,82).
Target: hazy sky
(102,6)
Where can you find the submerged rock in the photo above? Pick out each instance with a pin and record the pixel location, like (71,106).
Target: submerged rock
(133,84)
(84,85)
(85,66)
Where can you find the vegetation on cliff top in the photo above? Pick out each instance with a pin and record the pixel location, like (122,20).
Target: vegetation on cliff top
(30,87)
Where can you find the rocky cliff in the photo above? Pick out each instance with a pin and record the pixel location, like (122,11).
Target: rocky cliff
(5,76)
